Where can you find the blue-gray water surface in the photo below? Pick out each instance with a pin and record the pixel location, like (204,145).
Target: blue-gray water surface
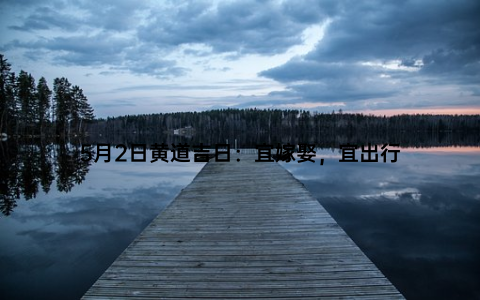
(56,245)
(417,219)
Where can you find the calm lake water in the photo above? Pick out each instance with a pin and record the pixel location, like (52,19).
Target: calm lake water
(56,245)
(418,219)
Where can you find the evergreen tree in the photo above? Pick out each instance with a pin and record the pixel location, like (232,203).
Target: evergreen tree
(29,109)
(85,111)
(81,111)
(26,97)
(74,118)
(5,94)
(11,120)
(63,104)
(43,101)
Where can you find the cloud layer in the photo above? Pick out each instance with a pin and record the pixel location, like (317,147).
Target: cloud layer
(381,49)
(370,55)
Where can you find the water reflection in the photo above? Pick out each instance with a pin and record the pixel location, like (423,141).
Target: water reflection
(56,245)
(323,139)
(28,167)
(417,219)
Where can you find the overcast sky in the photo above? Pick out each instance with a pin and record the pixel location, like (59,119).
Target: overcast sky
(162,56)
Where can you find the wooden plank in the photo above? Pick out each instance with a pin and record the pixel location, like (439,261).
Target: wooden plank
(243,230)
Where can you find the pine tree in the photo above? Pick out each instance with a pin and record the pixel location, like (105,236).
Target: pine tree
(63,104)
(11,104)
(82,111)
(26,97)
(26,108)
(74,118)
(85,111)
(43,101)
(6,93)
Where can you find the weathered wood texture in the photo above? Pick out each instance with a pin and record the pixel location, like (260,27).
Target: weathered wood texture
(243,230)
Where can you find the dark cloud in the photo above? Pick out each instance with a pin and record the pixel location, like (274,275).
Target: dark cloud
(36,54)
(310,11)
(90,33)
(464,63)
(311,70)
(438,42)
(167,87)
(424,43)
(102,49)
(158,68)
(23,3)
(342,91)
(81,50)
(117,16)
(120,15)
(398,29)
(241,26)
(198,53)
(45,18)
(331,82)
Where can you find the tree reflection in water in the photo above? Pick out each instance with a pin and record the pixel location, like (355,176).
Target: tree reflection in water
(28,166)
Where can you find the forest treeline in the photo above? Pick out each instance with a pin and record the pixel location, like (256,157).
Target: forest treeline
(29,109)
(233,122)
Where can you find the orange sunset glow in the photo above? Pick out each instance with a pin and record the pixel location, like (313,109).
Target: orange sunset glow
(429,110)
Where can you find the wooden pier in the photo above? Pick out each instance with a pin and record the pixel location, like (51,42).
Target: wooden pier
(243,230)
